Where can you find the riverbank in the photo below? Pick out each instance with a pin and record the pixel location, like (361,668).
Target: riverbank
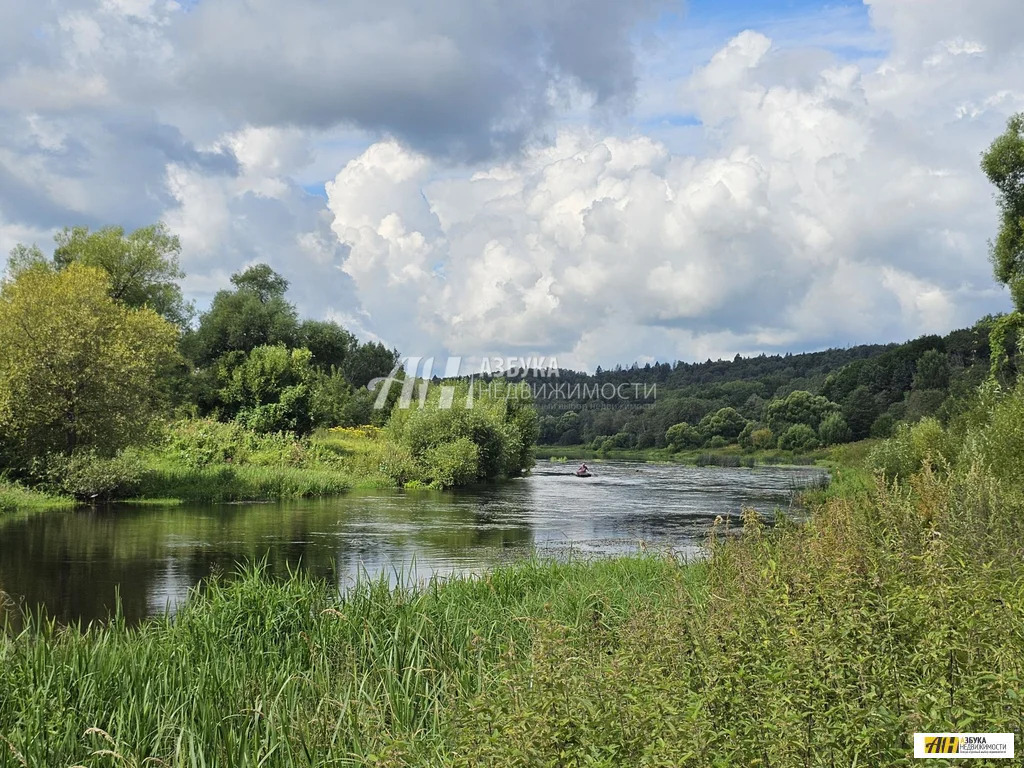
(730,456)
(894,609)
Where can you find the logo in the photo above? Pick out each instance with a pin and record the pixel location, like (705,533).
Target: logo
(963,745)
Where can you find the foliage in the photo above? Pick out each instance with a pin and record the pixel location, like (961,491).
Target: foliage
(89,476)
(798,408)
(77,369)
(1003,163)
(911,447)
(498,419)
(932,371)
(329,342)
(682,436)
(762,439)
(834,430)
(142,267)
(798,437)
(254,314)
(368,362)
(452,464)
(726,423)
(271,390)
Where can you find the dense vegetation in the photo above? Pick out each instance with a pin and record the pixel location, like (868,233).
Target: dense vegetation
(824,643)
(110,388)
(790,402)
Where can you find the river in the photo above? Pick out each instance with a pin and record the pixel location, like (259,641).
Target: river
(76,564)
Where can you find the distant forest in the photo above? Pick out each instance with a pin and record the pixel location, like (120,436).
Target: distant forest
(792,401)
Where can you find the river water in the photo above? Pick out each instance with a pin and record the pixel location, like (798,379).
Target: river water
(76,564)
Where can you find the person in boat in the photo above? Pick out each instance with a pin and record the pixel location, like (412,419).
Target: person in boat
(583,469)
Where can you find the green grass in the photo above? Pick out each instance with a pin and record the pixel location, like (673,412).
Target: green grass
(895,609)
(17,498)
(256,672)
(241,482)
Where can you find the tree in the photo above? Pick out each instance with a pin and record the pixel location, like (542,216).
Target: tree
(682,436)
(860,409)
(1003,163)
(254,314)
(143,266)
(368,362)
(799,437)
(77,369)
(725,422)
(932,371)
(798,407)
(329,342)
(834,430)
(272,389)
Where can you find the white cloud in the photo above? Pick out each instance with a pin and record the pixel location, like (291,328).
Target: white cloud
(841,206)
(816,200)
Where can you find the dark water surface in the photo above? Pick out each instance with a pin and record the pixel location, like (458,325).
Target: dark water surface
(75,563)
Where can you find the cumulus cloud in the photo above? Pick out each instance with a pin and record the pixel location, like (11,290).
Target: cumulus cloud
(840,206)
(482,203)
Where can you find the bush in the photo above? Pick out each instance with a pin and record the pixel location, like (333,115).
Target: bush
(883,426)
(798,437)
(834,430)
(906,452)
(453,464)
(398,464)
(717,442)
(762,439)
(85,475)
(682,436)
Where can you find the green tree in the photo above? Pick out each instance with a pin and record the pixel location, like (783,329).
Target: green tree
(682,436)
(932,371)
(799,437)
(834,430)
(860,409)
(77,369)
(272,390)
(254,314)
(143,266)
(798,407)
(1003,163)
(368,362)
(329,342)
(725,422)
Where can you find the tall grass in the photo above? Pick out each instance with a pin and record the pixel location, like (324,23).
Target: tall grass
(15,498)
(895,609)
(226,482)
(257,672)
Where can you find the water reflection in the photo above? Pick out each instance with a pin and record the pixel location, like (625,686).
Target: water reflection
(75,564)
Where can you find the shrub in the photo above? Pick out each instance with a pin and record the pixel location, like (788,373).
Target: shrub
(453,464)
(682,436)
(717,442)
(883,426)
(88,476)
(906,451)
(834,430)
(762,439)
(398,464)
(798,437)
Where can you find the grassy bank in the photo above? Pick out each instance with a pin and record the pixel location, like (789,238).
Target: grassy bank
(731,456)
(16,498)
(895,609)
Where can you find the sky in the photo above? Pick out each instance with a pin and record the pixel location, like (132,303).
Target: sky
(598,181)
